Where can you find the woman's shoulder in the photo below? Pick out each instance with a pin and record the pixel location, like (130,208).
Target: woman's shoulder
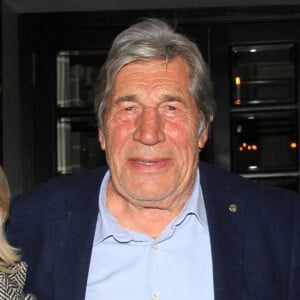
(12,282)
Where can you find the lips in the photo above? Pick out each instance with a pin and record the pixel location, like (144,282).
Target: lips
(146,162)
(149,163)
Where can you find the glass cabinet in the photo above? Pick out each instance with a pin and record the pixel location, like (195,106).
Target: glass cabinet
(77,146)
(263,74)
(264,141)
(264,118)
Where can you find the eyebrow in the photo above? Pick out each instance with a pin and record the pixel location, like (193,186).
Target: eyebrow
(170,98)
(134,98)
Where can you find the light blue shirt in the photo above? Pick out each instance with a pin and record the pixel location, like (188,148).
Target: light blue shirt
(129,265)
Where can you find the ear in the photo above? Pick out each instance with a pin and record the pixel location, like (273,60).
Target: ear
(203,137)
(101,138)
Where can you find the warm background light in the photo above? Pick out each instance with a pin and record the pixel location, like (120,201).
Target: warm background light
(293,145)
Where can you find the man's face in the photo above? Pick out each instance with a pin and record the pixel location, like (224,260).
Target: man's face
(151,134)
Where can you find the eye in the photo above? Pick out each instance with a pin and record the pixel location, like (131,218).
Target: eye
(170,107)
(172,110)
(129,108)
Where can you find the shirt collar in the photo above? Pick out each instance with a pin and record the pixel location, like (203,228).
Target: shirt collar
(108,226)
(195,205)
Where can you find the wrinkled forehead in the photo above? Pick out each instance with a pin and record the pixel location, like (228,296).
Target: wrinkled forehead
(153,72)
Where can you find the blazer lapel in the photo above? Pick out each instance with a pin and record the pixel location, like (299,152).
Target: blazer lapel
(73,235)
(225,213)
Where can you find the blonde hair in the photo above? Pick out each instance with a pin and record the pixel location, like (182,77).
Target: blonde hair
(8,254)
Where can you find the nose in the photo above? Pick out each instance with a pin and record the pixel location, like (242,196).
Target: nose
(149,127)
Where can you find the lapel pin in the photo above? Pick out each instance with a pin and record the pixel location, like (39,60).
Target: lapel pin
(232,208)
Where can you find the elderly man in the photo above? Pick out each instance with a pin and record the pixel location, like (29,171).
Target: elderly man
(157,224)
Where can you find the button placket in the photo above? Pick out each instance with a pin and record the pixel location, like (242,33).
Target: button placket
(155,246)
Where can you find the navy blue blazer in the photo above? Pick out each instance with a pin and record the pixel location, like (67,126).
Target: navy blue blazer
(254,230)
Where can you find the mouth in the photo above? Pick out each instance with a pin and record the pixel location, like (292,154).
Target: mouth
(146,162)
(153,164)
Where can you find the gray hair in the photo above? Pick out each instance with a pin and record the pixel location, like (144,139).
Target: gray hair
(154,39)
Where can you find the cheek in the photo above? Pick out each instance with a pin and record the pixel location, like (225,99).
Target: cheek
(183,136)
(185,127)
(118,132)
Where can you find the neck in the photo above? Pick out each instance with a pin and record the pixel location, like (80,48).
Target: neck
(147,217)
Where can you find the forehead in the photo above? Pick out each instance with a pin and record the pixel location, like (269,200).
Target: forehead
(154,71)
(152,77)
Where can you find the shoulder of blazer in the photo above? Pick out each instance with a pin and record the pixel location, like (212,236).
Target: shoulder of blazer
(221,186)
(60,194)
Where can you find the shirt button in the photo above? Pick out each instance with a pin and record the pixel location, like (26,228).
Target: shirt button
(155,246)
(154,297)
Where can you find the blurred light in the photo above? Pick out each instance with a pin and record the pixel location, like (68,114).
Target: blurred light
(254,147)
(252,167)
(237,80)
(249,147)
(244,145)
(239,129)
(237,102)
(293,145)
(253,50)
(241,149)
